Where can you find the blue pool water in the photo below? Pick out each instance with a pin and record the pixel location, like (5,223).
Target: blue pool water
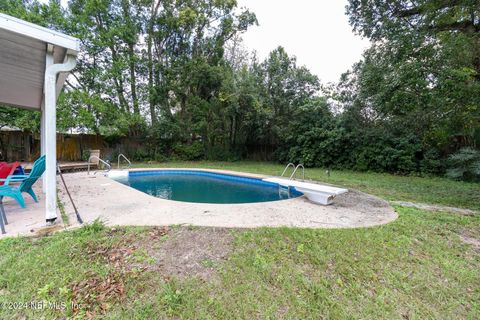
(205,187)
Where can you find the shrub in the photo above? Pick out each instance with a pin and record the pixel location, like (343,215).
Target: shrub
(160,157)
(465,165)
(140,155)
(431,162)
(193,151)
(222,153)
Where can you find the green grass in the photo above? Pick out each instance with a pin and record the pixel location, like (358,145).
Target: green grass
(430,190)
(416,267)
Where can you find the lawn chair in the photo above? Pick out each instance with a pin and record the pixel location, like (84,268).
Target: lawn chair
(26,183)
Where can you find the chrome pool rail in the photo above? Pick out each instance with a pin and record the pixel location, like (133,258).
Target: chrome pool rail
(109,167)
(286,168)
(121,155)
(296,168)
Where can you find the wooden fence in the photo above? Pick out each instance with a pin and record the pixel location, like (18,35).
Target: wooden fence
(25,146)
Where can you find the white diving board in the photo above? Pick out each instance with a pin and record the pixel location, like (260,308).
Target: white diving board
(314,192)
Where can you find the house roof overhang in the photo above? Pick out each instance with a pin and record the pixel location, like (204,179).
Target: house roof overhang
(23,60)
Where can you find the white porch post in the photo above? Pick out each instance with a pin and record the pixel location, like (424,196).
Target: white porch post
(48,63)
(42,131)
(50,147)
(51,134)
(42,142)
(31,80)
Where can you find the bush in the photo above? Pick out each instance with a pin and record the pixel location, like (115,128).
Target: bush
(431,162)
(465,165)
(385,152)
(141,155)
(160,157)
(189,152)
(222,153)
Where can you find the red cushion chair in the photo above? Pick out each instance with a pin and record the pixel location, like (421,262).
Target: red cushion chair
(7,169)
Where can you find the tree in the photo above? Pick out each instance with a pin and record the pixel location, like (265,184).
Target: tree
(284,87)
(421,74)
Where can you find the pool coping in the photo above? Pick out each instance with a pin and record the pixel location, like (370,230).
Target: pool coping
(99,197)
(119,204)
(229,172)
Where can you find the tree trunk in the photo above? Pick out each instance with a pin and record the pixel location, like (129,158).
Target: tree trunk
(151,91)
(117,79)
(130,39)
(133,80)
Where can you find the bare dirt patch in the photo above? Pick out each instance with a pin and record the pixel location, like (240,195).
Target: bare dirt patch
(172,252)
(361,201)
(46,231)
(470,239)
(181,252)
(430,207)
(190,251)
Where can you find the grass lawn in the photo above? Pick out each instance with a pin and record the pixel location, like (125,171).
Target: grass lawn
(423,265)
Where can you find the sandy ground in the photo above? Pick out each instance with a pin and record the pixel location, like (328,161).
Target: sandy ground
(429,207)
(99,197)
(25,221)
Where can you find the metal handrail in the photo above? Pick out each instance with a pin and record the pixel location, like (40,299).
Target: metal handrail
(296,168)
(104,162)
(123,156)
(286,168)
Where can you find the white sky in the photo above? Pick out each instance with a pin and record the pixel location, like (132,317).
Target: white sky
(315,31)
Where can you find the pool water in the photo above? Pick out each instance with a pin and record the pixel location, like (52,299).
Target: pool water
(206,187)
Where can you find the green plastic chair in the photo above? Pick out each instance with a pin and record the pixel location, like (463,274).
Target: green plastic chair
(27,182)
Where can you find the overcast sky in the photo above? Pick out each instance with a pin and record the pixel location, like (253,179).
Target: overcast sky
(316,31)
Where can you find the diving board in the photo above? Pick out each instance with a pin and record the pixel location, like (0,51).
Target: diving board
(314,192)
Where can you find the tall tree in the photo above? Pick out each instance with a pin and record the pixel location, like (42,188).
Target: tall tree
(285,87)
(423,69)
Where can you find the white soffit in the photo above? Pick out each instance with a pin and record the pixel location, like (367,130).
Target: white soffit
(36,32)
(23,49)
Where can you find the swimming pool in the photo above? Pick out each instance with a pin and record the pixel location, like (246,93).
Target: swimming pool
(205,187)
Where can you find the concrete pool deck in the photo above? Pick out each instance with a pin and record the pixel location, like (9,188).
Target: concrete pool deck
(99,197)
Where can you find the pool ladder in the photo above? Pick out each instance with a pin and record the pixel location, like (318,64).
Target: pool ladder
(295,168)
(107,165)
(121,155)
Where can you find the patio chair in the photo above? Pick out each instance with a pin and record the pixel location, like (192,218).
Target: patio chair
(7,169)
(26,183)
(94,158)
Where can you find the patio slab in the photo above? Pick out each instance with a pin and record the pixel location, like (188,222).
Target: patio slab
(99,197)
(30,220)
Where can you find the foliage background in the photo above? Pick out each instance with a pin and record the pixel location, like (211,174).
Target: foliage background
(175,74)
